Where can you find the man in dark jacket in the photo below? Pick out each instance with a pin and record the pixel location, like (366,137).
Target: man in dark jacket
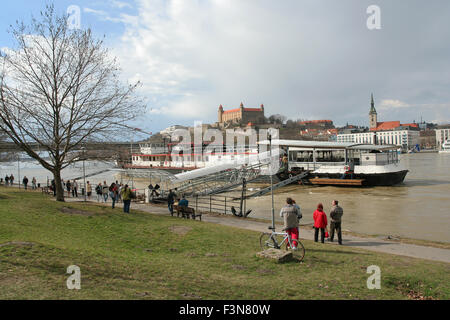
(171,201)
(25,182)
(336,220)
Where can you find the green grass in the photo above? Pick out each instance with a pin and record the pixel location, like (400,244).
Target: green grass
(137,256)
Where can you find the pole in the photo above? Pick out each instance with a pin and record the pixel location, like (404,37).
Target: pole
(18,168)
(84,175)
(271,181)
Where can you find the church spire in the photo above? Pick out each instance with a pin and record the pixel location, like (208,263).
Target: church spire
(372,106)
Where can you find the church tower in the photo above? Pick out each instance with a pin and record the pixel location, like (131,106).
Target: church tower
(372,115)
(220,113)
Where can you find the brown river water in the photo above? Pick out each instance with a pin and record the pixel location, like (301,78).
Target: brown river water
(419,208)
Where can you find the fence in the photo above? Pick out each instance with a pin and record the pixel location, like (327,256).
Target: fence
(210,203)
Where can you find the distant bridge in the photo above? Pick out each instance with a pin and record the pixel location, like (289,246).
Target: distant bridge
(90,146)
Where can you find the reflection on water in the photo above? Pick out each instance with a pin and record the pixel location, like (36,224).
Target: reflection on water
(418,208)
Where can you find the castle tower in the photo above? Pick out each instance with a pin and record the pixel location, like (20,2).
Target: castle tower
(372,115)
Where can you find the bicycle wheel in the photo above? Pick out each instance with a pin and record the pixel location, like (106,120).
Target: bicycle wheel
(267,240)
(298,254)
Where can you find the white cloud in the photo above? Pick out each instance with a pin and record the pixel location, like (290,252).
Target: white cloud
(120,4)
(298,58)
(393,103)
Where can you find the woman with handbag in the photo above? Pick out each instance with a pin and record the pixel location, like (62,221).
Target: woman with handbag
(320,223)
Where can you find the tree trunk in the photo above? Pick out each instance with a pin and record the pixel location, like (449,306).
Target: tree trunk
(58,184)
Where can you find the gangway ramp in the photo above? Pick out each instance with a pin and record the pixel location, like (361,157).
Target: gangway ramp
(222,176)
(91,174)
(279,184)
(218,182)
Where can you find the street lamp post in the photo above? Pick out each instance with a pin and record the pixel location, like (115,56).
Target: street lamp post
(84,174)
(271,180)
(18,168)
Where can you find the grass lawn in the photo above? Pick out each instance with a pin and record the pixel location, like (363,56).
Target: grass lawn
(144,256)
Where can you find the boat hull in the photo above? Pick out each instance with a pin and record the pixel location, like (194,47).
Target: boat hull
(370,179)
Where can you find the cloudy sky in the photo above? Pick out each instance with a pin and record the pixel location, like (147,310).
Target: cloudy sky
(304,59)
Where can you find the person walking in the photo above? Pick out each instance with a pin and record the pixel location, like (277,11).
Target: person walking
(105,191)
(126,197)
(290,214)
(11,179)
(33,183)
(170,201)
(6,180)
(320,223)
(25,182)
(336,214)
(89,190)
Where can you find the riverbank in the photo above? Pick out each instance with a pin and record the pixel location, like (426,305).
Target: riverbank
(162,209)
(155,256)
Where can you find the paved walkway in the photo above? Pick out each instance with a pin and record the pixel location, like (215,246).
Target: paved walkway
(373,244)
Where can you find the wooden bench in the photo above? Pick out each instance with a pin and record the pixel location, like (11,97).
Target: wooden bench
(46,190)
(186,212)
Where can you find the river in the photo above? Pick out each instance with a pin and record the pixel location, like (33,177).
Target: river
(419,208)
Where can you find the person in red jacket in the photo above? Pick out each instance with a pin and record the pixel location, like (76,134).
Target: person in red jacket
(320,223)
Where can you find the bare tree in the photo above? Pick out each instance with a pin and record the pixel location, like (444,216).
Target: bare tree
(59,89)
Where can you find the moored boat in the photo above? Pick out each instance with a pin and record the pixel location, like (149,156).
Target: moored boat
(332,162)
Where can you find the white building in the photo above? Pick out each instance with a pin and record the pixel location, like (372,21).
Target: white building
(405,139)
(382,133)
(360,137)
(442,135)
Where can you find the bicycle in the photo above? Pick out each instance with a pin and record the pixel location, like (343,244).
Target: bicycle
(280,240)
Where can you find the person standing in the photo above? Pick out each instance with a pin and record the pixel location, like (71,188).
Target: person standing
(336,214)
(89,190)
(126,197)
(11,179)
(33,183)
(320,223)
(99,191)
(25,182)
(75,189)
(105,190)
(171,201)
(53,186)
(68,187)
(113,191)
(6,180)
(290,214)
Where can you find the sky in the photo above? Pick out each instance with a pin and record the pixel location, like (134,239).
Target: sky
(305,59)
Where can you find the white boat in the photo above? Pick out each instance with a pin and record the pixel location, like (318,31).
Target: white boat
(445,147)
(373,165)
(332,162)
